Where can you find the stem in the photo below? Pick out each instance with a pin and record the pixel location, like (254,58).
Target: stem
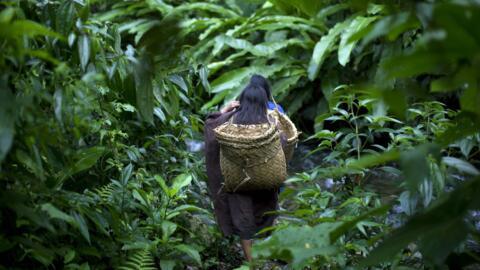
(358,140)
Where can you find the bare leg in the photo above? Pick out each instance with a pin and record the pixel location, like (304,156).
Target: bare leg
(247,249)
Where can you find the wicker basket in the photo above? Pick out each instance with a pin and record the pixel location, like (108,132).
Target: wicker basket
(251,156)
(288,128)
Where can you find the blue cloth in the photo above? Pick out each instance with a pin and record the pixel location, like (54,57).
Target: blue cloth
(271,106)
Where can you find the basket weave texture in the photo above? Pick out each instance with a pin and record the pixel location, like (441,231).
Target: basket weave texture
(288,128)
(251,156)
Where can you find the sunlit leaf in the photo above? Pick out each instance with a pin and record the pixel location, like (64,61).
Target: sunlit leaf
(83,43)
(346,46)
(323,48)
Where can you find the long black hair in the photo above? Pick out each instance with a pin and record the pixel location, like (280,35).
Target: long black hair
(253,105)
(260,81)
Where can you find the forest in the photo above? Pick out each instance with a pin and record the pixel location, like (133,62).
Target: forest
(102,109)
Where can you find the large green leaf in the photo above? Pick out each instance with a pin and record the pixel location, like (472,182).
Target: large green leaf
(190,7)
(390,26)
(323,48)
(297,244)
(230,79)
(278,22)
(86,158)
(19,28)
(190,251)
(307,7)
(83,44)
(266,49)
(433,227)
(144,92)
(346,46)
(81,224)
(461,165)
(56,213)
(179,182)
(414,163)
(347,225)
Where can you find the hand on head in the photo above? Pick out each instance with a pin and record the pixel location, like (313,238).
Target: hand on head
(230,106)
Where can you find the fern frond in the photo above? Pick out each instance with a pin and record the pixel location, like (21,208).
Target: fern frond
(105,192)
(140,260)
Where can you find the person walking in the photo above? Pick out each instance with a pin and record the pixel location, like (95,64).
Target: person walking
(240,213)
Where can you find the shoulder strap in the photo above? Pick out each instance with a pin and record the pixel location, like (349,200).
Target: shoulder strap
(275,104)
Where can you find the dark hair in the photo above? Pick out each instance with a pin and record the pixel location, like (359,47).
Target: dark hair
(261,82)
(253,106)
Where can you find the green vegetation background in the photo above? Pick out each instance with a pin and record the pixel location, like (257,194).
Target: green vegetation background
(101,103)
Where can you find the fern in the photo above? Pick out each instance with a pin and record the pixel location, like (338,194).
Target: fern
(105,192)
(140,260)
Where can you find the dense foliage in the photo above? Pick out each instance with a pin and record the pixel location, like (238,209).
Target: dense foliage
(101,108)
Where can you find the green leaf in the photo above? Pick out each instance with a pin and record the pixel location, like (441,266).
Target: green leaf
(243,267)
(44,55)
(179,81)
(168,228)
(65,17)
(54,212)
(140,197)
(346,46)
(86,158)
(346,226)
(215,100)
(190,251)
(157,111)
(58,98)
(308,7)
(331,9)
(7,14)
(203,73)
(470,99)
(461,165)
(20,28)
(7,118)
(83,44)
(69,256)
(205,7)
(167,264)
(126,174)
(162,184)
(323,48)
(464,124)
(414,163)
(297,244)
(230,79)
(80,223)
(144,94)
(435,248)
(391,26)
(434,226)
(265,49)
(179,182)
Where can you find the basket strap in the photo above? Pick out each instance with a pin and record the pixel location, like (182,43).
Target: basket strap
(230,121)
(245,180)
(275,103)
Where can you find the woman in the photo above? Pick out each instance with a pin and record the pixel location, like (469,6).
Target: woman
(241,213)
(263,83)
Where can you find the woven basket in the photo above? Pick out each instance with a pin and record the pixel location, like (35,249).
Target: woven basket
(288,128)
(251,156)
